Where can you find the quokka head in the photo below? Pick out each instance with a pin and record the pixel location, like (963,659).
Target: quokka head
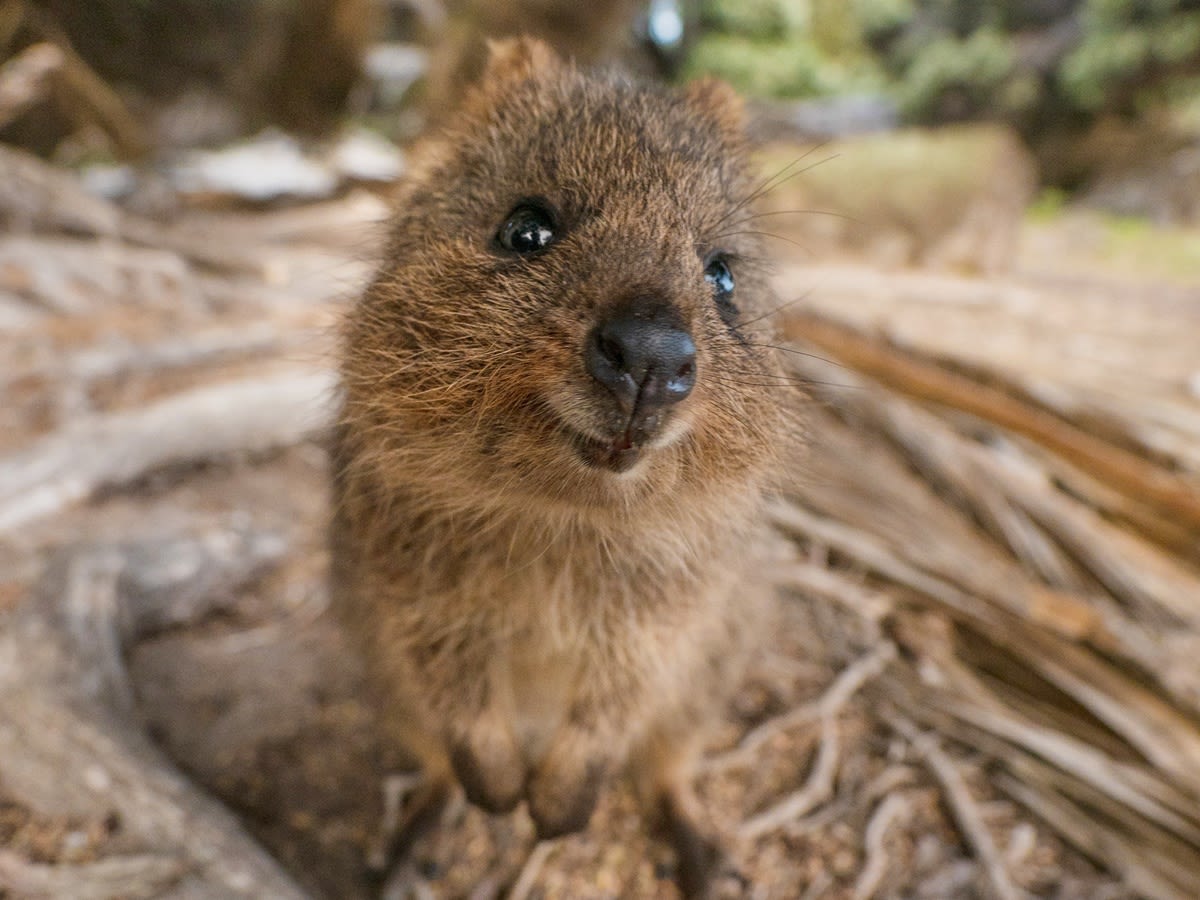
(572,310)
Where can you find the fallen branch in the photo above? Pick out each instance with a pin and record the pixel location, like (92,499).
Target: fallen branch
(1139,613)
(37,196)
(997,601)
(1108,846)
(903,372)
(25,80)
(1131,817)
(250,415)
(86,96)
(116,360)
(963,807)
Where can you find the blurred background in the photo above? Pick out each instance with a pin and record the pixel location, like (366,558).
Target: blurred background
(1103,92)
(985,225)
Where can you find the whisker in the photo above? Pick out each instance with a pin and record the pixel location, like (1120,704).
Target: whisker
(779,178)
(787,378)
(784,382)
(777,309)
(780,237)
(798,212)
(767,184)
(795,351)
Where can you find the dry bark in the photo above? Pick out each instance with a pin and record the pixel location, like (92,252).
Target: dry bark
(253,414)
(1040,630)
(1174,497)
(36,196)
(85,96)
(70,740)
(25,79)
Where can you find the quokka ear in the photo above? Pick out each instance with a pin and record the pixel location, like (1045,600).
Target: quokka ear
(518,59)
(717,101)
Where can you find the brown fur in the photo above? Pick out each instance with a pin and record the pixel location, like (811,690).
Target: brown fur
(532,623)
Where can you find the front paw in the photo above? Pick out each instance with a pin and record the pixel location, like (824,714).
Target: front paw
(489,768)
(698,860)
(563,791)
(699,857)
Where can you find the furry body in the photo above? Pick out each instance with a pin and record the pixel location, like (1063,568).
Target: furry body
(534,619)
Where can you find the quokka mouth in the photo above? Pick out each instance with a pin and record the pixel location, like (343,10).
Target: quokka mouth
(619,454)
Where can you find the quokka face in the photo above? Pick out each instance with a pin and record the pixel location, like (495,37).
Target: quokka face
(569,309)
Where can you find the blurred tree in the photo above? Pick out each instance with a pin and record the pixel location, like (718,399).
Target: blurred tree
(786,48)
(1052,68)
(1035,62)
(287,62)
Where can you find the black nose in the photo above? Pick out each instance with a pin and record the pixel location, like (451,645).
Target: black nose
(646,365)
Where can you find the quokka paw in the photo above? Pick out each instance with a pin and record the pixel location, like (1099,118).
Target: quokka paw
(489,769)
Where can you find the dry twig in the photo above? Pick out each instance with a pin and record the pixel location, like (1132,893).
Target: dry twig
(894,810)
(1140,480)
(819,786)
(523,886)
(965,810)
(396,788)
(848,682)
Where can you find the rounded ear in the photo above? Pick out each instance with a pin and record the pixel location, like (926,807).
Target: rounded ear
(518,59)
(716,100)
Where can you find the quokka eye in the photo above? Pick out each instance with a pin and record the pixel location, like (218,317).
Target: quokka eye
(718,274)
(529,228)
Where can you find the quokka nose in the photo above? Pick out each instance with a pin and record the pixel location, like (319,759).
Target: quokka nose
(646,365)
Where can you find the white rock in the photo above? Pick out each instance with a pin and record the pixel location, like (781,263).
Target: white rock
(267,167)
(363,155)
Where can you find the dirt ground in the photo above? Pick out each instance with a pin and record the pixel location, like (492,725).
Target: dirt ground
(264,707)
(261,704)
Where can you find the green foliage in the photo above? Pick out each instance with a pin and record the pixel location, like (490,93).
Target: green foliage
(1172,251)
(976,66)
(1122,41)
(767,69)
(1049,205)
(759,19)
(1099,61)
(835,28)
(881,16)
(1176,40)
(785,48)
(951,59)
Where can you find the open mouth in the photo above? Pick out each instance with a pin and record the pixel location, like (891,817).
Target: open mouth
(616,455)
